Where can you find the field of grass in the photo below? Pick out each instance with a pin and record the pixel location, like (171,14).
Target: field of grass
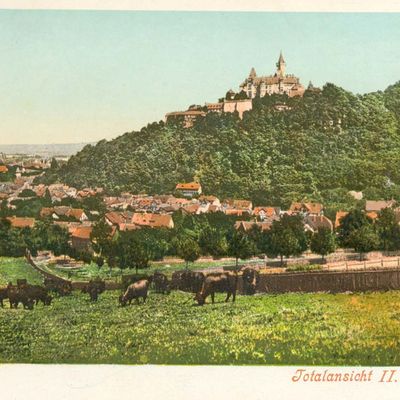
(13,268)
(289,329)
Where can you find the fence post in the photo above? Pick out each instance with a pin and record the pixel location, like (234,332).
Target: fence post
(398,262)
(365,264)
(347,266)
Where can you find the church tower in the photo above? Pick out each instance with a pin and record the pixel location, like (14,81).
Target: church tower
(281,65)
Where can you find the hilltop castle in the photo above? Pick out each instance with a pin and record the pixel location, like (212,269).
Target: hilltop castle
(279,83)
(253,86)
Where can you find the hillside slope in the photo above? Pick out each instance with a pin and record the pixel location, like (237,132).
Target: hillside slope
(330,142)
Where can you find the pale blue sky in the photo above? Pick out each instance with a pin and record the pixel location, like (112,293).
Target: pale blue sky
(73,76)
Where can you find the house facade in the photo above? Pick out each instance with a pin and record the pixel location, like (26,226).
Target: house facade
(189,189)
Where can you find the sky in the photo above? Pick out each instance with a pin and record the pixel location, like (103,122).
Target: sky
(82,76)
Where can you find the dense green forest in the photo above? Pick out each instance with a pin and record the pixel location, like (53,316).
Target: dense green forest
(330,142)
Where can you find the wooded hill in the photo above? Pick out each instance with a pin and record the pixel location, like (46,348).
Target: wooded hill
(330,142)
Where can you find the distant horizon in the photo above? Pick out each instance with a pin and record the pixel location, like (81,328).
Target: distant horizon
(93,75)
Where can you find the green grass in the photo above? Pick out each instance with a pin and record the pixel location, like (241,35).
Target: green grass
(311,329)
(288,329)
(12,269)
(304,268)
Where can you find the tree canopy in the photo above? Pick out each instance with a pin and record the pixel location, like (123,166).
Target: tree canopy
(329,142)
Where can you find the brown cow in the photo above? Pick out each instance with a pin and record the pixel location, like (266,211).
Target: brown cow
(134,291)
(250,278)
(94,288)
(188,281)
(129,279)
(4,293)
(218,282)
(60,286)
(161,284)
(16,296)
(38,293)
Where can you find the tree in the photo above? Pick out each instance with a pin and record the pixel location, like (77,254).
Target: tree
(188,250)
(295,224)
(58,240)
(27,193)
(212,241)
(4,210)
(283,243)
(54,164)
(47,202)
(12,243)
(240,246)
(364,239)
(323,242)
(285,238)
(133,251)
(388,230)
(101,236)
(353,221)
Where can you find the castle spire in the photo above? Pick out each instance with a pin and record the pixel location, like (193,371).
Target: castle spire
(253,73)
(281,65)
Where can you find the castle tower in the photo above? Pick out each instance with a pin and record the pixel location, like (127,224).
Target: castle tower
(281,65)
(252,73)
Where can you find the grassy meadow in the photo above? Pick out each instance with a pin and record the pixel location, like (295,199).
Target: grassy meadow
(311,329)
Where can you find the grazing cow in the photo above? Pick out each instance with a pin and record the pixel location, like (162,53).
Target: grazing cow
(38,293)
(60,286)
(161,284)
(94,288)
(4,293)
(134,291)
(129,279)
(218,282)
(250,278)
(17,296)
(188,281)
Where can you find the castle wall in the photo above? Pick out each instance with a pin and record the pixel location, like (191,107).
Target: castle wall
(240,106)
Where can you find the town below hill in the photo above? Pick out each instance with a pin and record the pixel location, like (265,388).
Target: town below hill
(131,230)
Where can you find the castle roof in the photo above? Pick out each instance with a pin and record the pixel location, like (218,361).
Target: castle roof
(253,73)
(281,59)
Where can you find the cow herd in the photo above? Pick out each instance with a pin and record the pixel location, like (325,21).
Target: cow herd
(26,294)
(136,287)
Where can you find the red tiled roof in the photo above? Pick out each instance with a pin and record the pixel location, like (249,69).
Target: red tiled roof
(153,220)
(3,169)
(313,208)
(242,204)
(188,186)
(77,213)
(372,205)
(46,211)
(115,218)
(82,232)
(319,221)
(191,208)
(269,211)
(372,214)
(234,211)
(128,227)
(21,222)
(247,225)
